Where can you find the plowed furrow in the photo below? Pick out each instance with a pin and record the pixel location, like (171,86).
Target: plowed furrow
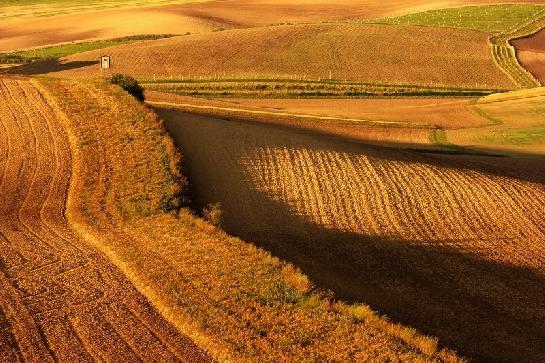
(54,287)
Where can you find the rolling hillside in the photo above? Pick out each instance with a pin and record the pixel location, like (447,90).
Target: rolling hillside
(371,53)
(56,21)
(236,301)
(60,299)
(449,244)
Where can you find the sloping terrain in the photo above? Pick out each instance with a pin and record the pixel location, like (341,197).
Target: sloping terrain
(371,53)
(443,112)
(60,299)
(233,299)
(451,245)
(516,123)
(531,54)
(70,20)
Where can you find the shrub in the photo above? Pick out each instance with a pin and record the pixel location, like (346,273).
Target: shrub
(129,84)
(212,213)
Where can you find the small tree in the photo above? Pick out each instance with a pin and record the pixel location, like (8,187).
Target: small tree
(129,84)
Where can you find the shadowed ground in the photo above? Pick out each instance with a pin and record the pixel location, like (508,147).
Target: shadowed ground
(449,245)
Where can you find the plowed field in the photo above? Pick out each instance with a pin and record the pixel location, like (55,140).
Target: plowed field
(61,300)
(450,245)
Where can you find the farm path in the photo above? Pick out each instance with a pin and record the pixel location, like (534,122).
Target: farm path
(60,300)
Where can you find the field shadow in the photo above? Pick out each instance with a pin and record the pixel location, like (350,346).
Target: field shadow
(49,66)
(519,165)
(485,310)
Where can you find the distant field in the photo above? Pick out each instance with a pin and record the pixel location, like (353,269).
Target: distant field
(368,53)
(431,240)
(490,18)
(41,8)
(443,112)
(531,54)
(517,123)
(69,20)
(71,48)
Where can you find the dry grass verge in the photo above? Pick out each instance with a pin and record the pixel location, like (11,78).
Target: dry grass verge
(236,301)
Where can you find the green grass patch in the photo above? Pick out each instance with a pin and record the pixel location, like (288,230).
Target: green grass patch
(489,18)
(522,136)
(438,137)
(290,88)
(492,119)
(63,50)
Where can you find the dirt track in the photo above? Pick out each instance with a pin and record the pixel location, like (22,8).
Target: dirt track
(60,300)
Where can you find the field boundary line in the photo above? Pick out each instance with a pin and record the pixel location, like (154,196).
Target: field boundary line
(257,112)
(505,56)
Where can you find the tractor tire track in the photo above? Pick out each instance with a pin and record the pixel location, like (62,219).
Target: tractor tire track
(61,300)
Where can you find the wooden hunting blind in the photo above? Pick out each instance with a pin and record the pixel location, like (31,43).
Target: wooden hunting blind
(105,62)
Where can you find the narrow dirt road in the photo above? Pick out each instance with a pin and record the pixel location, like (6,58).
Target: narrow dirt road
(60,300)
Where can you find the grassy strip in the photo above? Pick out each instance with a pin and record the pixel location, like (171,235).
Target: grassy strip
(505,55)
(489,18)
(438,137)
(235,300)
(492,119)
(305,89)
(63,50)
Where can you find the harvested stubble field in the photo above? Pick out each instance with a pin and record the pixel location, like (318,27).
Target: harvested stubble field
(369,53)
(451,245)
(233,299)
(60,299)
(405,133)
(442,112)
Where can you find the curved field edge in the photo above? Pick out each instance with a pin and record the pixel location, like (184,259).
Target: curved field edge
(233,299)
(505,55)
(524,20)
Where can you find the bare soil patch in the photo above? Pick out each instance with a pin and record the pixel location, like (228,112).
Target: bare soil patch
(531,54)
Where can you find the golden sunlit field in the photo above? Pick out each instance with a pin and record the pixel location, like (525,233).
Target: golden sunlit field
(385,226)
(272,181)
(370,53)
